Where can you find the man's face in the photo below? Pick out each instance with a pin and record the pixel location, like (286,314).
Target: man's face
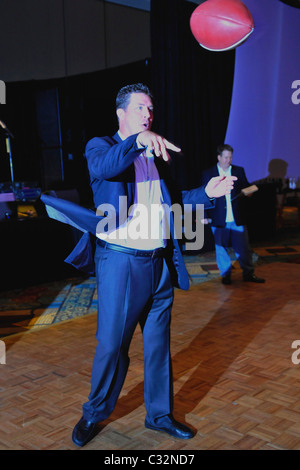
(225,159)
(138,115)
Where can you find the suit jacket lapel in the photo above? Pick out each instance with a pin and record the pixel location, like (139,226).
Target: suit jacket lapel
(128,175)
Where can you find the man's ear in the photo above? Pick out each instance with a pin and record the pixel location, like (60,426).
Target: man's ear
(120,113)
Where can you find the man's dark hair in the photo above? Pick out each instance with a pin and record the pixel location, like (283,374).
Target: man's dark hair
(123,96)
(223,147)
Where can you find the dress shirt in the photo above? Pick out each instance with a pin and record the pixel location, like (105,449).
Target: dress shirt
(145,226)
(229,213)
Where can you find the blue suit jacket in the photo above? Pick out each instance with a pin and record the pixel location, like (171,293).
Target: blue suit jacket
(112,174)
(218,212)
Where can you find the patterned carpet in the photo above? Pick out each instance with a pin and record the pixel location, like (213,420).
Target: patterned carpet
(39,306)
(25,310)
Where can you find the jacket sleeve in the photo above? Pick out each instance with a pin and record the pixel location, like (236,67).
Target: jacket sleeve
(106,161)
(197,196)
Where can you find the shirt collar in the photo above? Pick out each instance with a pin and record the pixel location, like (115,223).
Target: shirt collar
(225,172)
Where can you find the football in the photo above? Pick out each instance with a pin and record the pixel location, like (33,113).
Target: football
(221,25)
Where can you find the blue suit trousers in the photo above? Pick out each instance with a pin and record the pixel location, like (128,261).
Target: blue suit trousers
(131,290)
(237,235)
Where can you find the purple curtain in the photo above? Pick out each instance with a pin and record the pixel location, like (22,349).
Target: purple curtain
(264,120)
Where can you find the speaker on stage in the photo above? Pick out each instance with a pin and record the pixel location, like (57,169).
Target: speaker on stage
(48,121)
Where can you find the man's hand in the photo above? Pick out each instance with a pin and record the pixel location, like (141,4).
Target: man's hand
(219,186)
(157,144)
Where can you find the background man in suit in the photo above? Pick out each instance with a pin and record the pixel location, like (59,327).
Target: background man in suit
(135,277)
(228,220)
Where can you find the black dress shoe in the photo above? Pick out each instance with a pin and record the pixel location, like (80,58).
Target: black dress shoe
(170,426)
(226,279)
(253,278)
(83,432)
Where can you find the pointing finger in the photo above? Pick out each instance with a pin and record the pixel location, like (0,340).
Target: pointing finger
(171,146)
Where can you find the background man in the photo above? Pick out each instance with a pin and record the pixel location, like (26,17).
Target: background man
(228,220)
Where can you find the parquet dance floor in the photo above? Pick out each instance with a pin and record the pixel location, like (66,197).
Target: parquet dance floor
(236,375)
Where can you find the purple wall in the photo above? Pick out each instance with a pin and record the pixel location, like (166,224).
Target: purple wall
(264,123)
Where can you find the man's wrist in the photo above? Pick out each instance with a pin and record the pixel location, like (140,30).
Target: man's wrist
(138,143)
(211,198)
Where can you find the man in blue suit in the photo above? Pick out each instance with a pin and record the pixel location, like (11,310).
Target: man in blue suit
(228,222)
(136,275)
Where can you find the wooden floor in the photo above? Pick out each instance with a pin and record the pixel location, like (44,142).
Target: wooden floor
(234,379)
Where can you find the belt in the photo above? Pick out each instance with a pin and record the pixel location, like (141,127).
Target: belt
(159,252)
